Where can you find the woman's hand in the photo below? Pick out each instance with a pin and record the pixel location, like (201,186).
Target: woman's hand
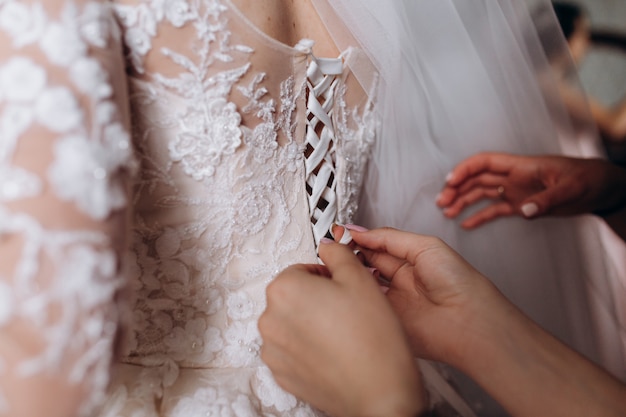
(532,187)
(331,338)
(440,299)
(455,315)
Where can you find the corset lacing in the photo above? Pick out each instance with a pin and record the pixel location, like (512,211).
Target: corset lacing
(320,166)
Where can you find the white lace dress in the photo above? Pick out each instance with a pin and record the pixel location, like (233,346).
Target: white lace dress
(178,129)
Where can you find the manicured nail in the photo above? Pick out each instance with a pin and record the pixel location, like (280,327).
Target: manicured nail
(326,241)
(360,255)
(375,272)
(530,209)
(356,228)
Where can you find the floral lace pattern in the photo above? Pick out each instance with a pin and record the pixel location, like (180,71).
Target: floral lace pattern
(219,205)
(354,147)
(62,283)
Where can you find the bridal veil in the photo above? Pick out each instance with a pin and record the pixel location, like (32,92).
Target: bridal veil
(459,77)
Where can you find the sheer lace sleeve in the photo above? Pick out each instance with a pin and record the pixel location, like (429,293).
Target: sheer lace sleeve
(65,160)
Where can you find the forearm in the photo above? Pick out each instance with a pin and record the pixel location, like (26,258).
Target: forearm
(531,373)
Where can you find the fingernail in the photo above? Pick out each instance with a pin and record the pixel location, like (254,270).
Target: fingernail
(449,177)
(356,228)
(438,198)
(383,289)
(375,272)
(530,209)
(326,241)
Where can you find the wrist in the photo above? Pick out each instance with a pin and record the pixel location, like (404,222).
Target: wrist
(493,325)
(614,193)
(481,320)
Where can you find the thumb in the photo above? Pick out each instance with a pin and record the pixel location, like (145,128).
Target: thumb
(343,265)
(544,201)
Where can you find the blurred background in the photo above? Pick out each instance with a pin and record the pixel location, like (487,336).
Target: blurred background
(603,70)
(603,73)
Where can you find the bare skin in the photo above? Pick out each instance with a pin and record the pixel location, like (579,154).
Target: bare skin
(289,21)
(454,314)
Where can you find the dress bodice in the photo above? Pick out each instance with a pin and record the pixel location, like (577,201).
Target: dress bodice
(219,123)
(219,120)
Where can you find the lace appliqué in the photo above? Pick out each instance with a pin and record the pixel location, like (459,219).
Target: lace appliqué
(141,24)
(271,394)
(209,129)
(356,133)
(213,402)
(206,135)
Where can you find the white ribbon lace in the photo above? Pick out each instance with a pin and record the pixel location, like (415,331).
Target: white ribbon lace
(321,183)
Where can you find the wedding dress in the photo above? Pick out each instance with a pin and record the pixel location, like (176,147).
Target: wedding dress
(222,119)
(220,156)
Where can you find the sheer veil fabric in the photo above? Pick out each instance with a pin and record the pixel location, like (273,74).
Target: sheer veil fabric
(461,77)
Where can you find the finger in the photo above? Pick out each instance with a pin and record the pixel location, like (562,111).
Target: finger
(549,200)
(342,263)
(272,329)
(447,196)
(485,180)
(488,214)
(305,269)
(496,163)
(403,246)
(342,235)
(469,198)
(278,361)
(337,232)
(386,264)
(283,293)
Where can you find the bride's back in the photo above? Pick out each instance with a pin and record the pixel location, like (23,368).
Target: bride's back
(289,21)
